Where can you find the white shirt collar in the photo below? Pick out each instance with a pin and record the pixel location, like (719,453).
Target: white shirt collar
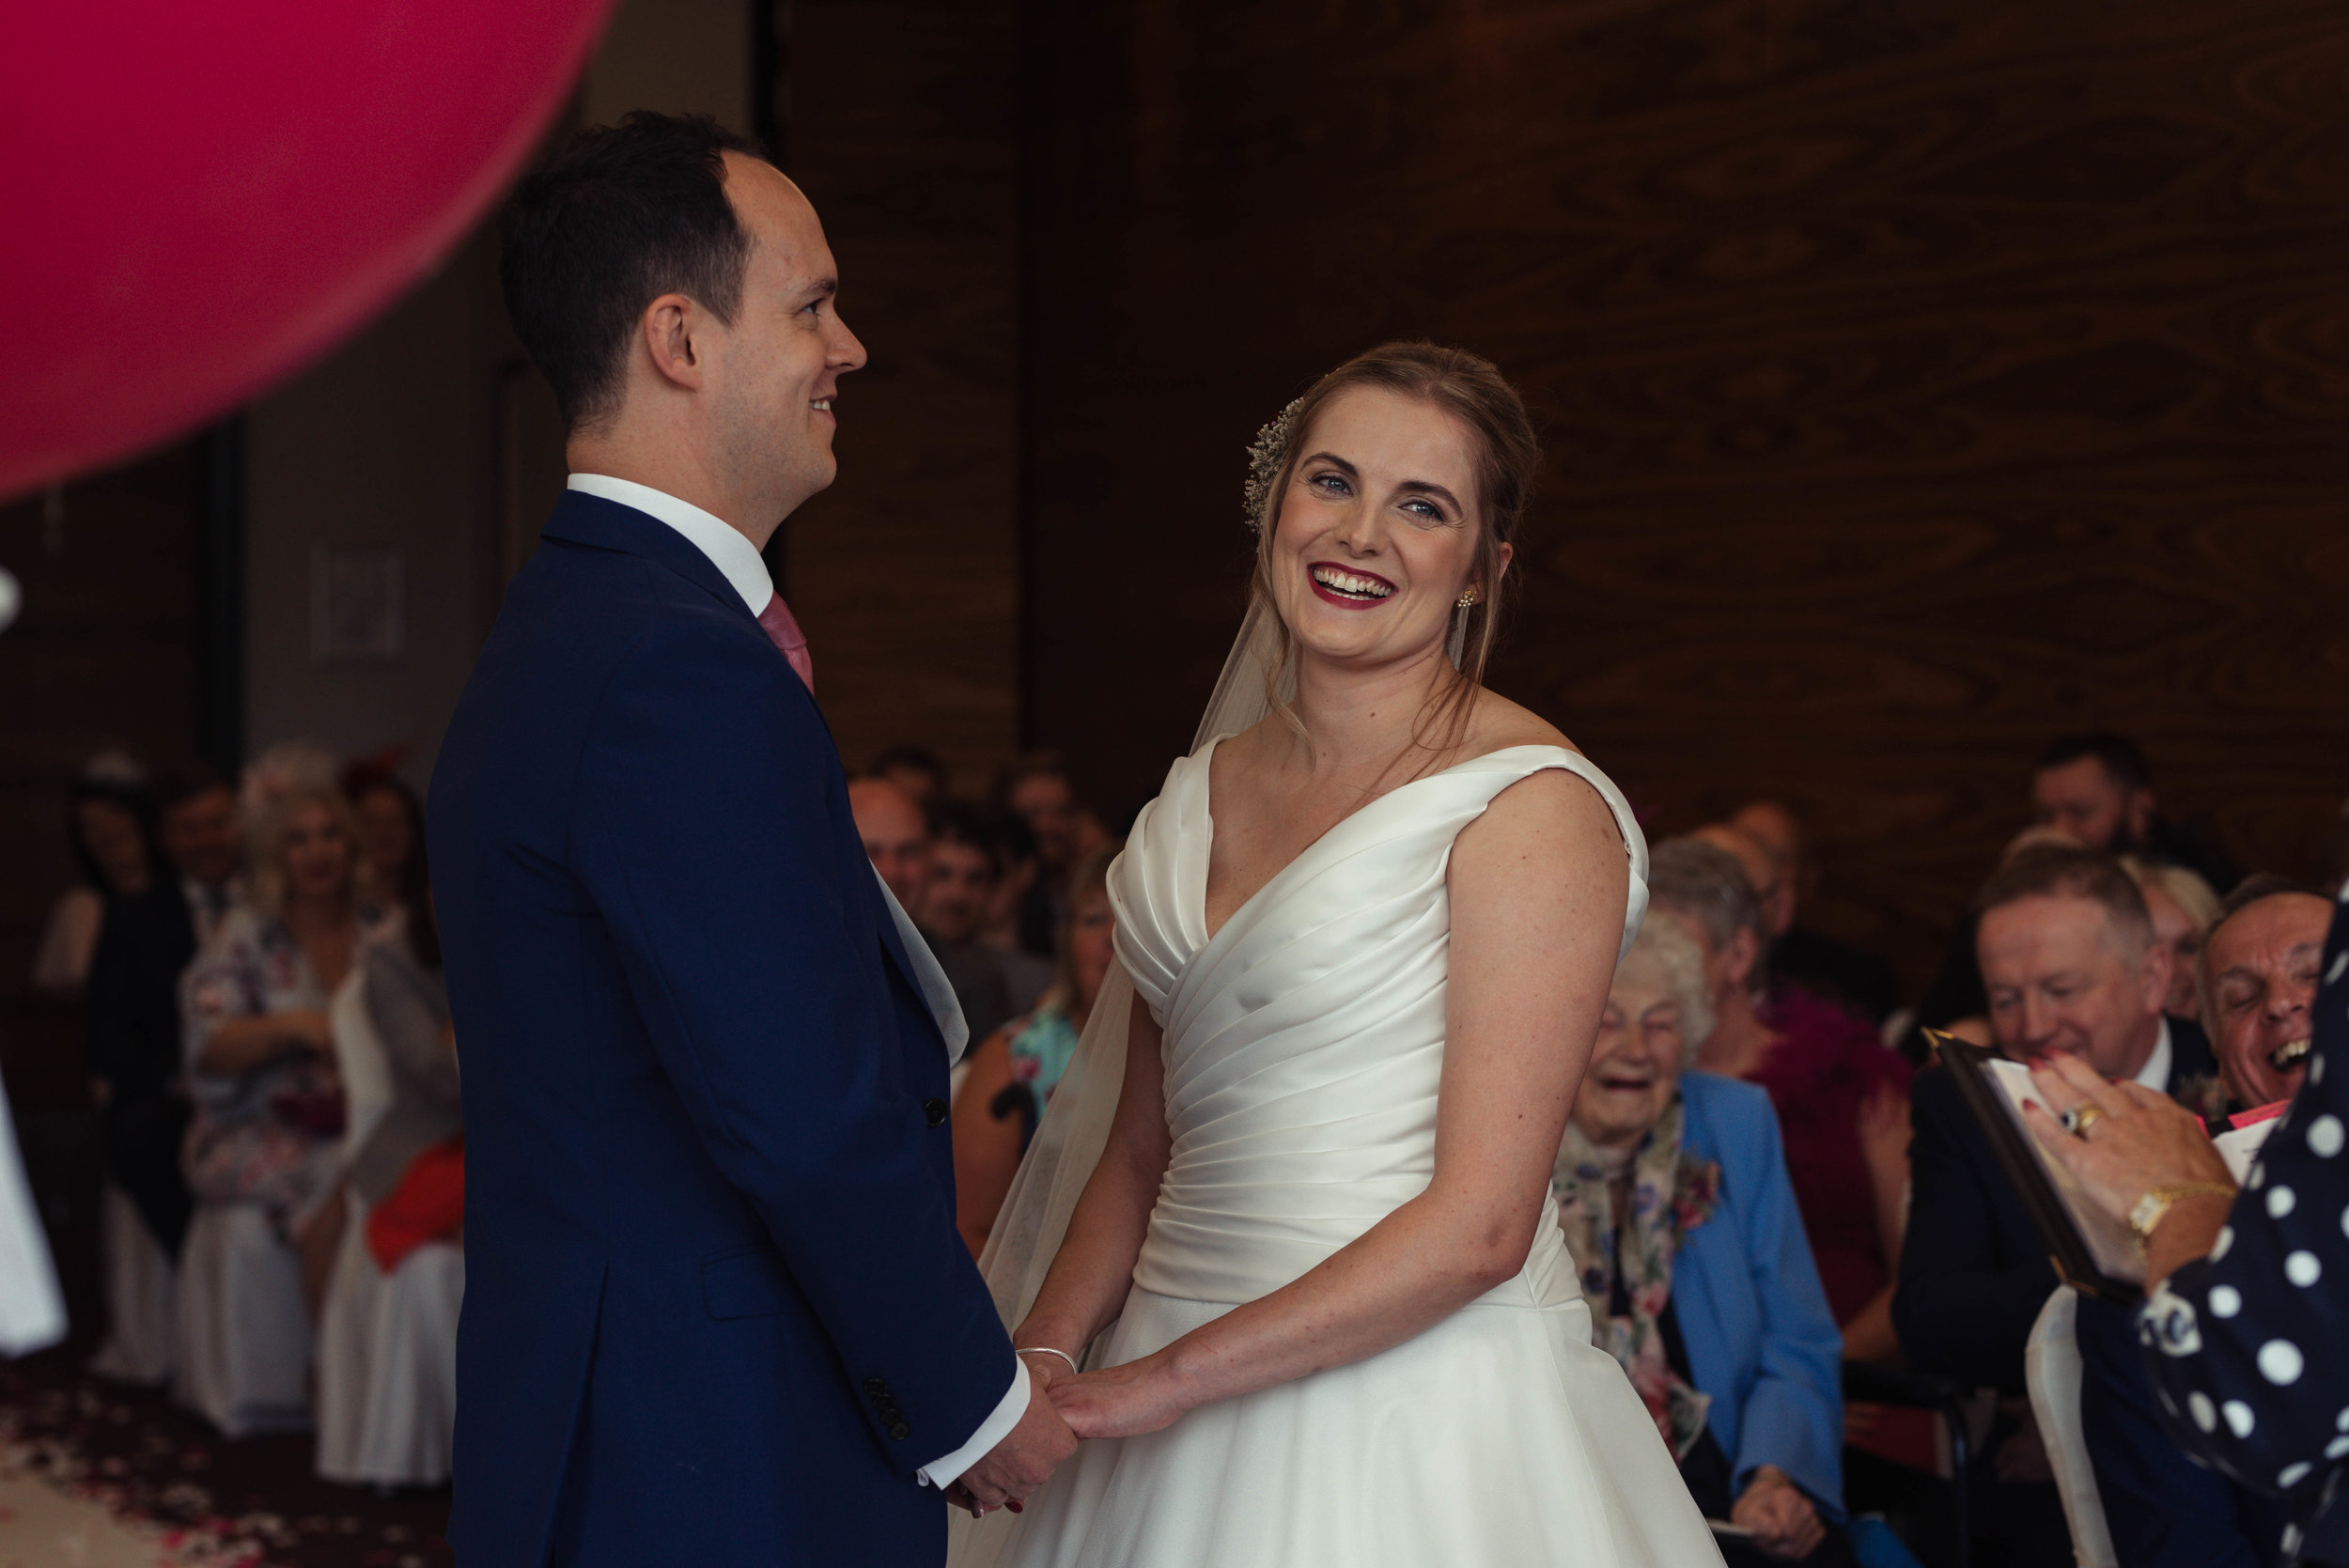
(736,558)
(2154,1074)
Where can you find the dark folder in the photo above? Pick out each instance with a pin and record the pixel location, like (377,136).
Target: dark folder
(2091,1252)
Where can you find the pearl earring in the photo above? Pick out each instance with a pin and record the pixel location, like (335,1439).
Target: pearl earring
(1465,600)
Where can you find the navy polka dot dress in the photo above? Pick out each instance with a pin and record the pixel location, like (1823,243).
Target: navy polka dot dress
(2248,1348)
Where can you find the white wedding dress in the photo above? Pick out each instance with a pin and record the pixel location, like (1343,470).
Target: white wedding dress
(1303,1047)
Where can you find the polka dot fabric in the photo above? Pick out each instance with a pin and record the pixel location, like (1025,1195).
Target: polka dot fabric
(2249,1347)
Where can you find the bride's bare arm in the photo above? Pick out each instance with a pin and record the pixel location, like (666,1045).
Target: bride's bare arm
(1538,887)
(1086,1285)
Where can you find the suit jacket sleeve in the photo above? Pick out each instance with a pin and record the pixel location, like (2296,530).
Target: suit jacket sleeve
(1794,1412)
(1966,1298)
(704,829)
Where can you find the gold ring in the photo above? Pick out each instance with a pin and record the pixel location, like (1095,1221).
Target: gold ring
(2080,1118)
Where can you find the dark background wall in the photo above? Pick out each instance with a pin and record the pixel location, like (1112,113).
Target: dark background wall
(902,126)
(1920,379)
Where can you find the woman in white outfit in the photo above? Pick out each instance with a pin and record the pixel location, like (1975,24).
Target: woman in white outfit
(1368,938)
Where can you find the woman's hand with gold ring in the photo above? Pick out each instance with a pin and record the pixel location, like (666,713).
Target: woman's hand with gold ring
(2077,1119)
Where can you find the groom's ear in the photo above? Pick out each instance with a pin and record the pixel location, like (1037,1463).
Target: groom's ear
(667,331)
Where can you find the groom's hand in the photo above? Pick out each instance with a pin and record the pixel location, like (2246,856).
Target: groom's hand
(1026,1459)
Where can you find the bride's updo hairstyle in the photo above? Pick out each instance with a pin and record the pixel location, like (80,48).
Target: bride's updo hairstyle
(1469,388)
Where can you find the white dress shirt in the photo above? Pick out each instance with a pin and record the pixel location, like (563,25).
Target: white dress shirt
(738,562)
(2154,1074)
(729,550)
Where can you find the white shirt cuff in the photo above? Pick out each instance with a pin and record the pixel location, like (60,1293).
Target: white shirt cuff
(943,1473)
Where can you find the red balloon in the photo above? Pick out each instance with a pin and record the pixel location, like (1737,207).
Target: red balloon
(201,198)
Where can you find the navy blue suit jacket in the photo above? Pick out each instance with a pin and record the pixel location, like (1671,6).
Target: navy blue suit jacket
(2163,1510)
(716,1309)
(1974,1270)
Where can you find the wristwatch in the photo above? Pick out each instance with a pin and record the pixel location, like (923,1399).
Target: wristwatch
(2146,1216)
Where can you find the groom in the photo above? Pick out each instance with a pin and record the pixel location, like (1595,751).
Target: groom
(716,1309)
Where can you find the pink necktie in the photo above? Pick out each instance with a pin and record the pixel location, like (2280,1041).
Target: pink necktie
(784,633)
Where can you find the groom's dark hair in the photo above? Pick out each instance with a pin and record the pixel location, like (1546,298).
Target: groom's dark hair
(619,216)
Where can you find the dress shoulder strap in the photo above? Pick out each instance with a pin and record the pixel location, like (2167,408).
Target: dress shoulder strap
(1508,765)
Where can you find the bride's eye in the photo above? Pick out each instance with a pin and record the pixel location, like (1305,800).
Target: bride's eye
(1330,484)
(1424,510)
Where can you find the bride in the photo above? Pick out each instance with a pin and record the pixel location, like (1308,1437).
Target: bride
(1298,1220)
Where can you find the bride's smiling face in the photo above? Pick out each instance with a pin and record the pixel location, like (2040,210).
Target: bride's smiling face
(1377,530)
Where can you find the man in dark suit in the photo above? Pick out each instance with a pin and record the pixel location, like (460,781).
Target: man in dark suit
(716,1308)
(2067,950)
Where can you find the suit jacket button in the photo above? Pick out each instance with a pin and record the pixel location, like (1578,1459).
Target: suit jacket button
(935,1110)
(874,1386)
(899,1431)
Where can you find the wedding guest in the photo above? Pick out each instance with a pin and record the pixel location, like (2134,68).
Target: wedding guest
(2162,1510)
(2097,787)
(109,823)
(1022,869)
(897,839)
(130,1047)
(2259,979)
(407,1003)
(1823,964)
(1014,1072)
(391,824)
(2183,907)
(1035,789)
(260,1053)
(1841,1098)
(202,836)
(387,1342)
(2067,950)
(1678,1210)
(131,1031)
(283,771)
(916,769)
(966,865)
(133,1038)
(2245,1291)
(2093,791)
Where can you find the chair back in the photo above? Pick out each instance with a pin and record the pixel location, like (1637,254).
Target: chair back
(2051,1365)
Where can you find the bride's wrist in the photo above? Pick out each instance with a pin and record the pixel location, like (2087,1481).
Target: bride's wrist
(1183,1370)
(1039,1333)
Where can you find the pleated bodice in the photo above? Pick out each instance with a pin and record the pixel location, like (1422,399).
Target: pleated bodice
(1304,1041)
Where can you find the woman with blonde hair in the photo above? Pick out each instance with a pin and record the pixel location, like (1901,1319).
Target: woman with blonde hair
(2184,909)
(261,1154)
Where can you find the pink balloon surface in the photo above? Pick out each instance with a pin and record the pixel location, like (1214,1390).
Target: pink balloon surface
(199,198)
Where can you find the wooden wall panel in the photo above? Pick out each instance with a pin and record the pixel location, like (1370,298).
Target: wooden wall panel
(902,128)
(105,654)
(1920,378)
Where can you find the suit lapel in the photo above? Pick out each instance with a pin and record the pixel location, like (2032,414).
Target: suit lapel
(590,519)
(919,965)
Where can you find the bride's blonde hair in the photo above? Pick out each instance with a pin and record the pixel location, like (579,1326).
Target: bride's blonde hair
(1471,390)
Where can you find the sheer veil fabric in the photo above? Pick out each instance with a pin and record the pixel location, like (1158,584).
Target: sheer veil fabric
(1076,1125)
(1305,1047)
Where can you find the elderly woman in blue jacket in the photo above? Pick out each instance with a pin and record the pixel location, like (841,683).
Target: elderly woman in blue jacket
(1679,1213)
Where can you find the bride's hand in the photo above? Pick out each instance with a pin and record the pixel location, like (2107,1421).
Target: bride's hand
(1117,1402)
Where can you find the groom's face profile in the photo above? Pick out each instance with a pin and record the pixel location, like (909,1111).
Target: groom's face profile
(780,362)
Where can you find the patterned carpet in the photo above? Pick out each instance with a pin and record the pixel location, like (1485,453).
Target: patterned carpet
(96,1473)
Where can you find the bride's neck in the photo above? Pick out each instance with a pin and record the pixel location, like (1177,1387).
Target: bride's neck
(1358,717)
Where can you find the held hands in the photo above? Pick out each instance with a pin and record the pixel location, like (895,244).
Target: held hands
(1026,1457)
(1784,1521)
